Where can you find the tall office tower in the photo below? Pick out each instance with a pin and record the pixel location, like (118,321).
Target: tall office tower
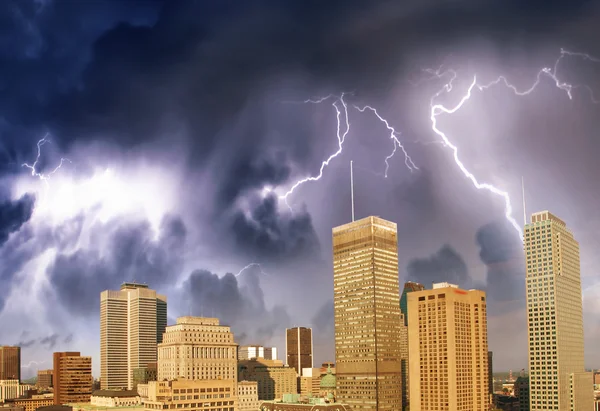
(132,323)
(448,349)
(409,287)
(10,363)
(197,348)
(299,348)
(247,352)
(557,377)
(367,315)
(72,376)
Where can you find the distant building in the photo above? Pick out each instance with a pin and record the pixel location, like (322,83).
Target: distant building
(214,395)
(132,323)
(44,378)
(448,348)
(112,399)
(409,287)
(521,391)
(10,363)
(490,373)
(197,348)
(299,348)
(11,389)
(72,377)
(247,352)
(247,392)
(273,378)
(505,402)
(309,383)
(145,374)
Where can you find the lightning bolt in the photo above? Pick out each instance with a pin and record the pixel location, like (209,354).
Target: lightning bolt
(252,265)
(439,109)
(30,363)
(32,167)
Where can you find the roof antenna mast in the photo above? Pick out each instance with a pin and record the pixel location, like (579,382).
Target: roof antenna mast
(352,188)
(524,211)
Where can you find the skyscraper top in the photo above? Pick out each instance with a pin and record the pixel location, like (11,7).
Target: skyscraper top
(367,221)
(132,286)
(545,216)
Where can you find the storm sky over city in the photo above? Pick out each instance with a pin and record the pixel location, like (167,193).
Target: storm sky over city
(155,142)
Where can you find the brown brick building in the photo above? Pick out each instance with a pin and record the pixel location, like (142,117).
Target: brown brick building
(10,363)
(44,378)
(72,378)
(299,348)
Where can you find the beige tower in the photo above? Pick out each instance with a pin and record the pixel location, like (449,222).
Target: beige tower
(132,323)
(448,349)
(557,375)
(197,348)
(367,315)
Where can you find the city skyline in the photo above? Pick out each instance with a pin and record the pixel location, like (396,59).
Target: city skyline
(206,150)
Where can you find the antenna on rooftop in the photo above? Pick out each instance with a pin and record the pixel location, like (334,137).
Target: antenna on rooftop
(352,188)
(524,210)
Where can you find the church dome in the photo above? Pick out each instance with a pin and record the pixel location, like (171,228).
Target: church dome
(328,380)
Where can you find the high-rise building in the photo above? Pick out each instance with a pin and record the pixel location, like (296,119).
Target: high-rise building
(409,287)
(247,352)
(72,376)
(367,315)
(132,323)
(44,378)
(10,363)
(557,377)
(197,348)
(299,348)
(448,349)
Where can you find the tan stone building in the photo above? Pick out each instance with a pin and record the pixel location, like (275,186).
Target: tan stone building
(273,378)
(213,395)
(10,363)
(448,349)
(197,348)
(72,378)
(248,396)
(557,377)
(310,382)
(115,399)
(44,378)
(33,403)
(367,315)
(132,323)
(299,348)
(11,389)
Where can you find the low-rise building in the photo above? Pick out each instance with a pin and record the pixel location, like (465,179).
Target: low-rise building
(44,378)
(295,402)
(216,395)
(274,379)
(310,381)
(110,398)
(11,389)
(248,396)
(33,403)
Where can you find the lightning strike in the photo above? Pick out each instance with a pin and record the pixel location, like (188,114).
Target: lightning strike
(438,109)
(32,167)
(252,265)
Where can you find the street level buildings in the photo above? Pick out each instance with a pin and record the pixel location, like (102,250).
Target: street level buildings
(299,348)
(132,322)
(367,315)
(72,376)
(10,363)
(557,377)
(197,348)
(448,349)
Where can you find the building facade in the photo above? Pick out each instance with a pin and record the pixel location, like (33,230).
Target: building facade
(247,392)
(299,348)
(521,391)
(11,389)
(10,363)
(310,382)
(44,378)
(132,323)
(213,395)
(115,399)
(367,315)
(557,377)
(143,375)
(272,377)
(247,352)
(72,376)
(448,349)
(33,403)
(197,348)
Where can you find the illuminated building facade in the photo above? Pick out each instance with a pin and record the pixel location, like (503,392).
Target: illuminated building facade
(367,315)
(72,376)
(10,363)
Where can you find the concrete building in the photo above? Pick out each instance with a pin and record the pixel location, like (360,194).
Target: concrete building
(247,352)
(448,348)
(367,315)
(143,375)
(44,378)
(197,348)
(521,391)
(299,348)
(557,377)
(115,398)
(132,323)
(214,395)
(11,389)
(10,363)
(72,376)
(247,392)
(273,378)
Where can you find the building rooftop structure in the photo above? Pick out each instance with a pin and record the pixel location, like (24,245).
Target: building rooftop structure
(115,393)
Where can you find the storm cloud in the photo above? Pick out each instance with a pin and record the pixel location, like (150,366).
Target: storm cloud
(13,214)
(445,265)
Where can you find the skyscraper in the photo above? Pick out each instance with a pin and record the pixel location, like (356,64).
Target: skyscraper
(132,323)
(448,349)
(557,377)
(72,376)
(409,287)
(299,348)
(367,315)
(10,363)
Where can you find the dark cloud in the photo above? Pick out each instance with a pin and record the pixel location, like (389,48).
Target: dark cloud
(13,214)
(446,265)
(323,320)
(48,342)
(129,253)
(240,305)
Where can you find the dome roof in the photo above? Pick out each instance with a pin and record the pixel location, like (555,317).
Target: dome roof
(328,380)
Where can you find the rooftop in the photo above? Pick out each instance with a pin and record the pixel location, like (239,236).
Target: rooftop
(115,393)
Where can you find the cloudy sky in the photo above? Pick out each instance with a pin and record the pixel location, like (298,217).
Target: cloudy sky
(162,138)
